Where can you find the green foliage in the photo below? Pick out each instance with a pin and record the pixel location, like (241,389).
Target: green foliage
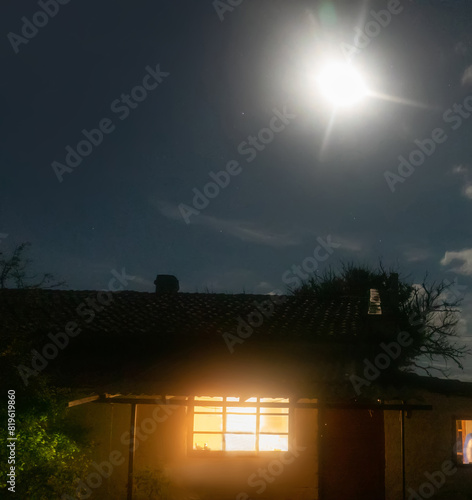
(152,484)
(50,451)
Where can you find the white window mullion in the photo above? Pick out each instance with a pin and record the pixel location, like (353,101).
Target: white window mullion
(258,421)
(224,424)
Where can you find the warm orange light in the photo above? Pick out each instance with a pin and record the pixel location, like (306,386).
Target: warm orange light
(240,428)
(268,442)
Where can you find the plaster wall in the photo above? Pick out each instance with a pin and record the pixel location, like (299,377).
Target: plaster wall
(429,449)
(162,433)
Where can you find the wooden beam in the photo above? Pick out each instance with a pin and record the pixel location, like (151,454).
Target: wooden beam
(82,401)
(91,399)
(340,406)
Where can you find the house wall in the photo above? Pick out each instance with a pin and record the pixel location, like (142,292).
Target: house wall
(162,445)
(429,448)
(106,424)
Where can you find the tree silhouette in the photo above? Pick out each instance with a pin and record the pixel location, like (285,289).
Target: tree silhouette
(15,271)
(429,311)
(55,451)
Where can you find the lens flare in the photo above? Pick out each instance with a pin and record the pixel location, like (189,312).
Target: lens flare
(342,84)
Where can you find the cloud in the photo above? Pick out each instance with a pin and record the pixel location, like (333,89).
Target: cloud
(416,254)
(467,76)
(465,256)
(264,287)
(239,229)
(467,191)
(460,48)
(459,169)
(348,243)
(241,279)
(147,283)
(467,186)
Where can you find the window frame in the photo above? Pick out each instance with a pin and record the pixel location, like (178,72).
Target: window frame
(237,453)
(455,450)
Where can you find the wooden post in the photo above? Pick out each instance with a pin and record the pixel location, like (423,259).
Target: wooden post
(132,435)
(402,431)
(321,449)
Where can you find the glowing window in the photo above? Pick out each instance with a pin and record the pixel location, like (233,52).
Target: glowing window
(464,441)
(234,424)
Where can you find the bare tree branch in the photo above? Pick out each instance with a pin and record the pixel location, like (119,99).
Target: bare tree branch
(430,312)
(14,271)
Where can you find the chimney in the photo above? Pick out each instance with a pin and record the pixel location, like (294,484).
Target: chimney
(166,283)
(374,302)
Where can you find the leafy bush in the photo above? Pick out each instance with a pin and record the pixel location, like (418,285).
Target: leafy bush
(152,484)
(50,451)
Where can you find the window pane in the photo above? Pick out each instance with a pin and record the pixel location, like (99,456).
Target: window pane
(242,442)
(208,409)
(464,441)
(274,410)
(212,423)
(207,398)
(208,442)
(274,400)
(241,423)
(237,409)
(273,443)
(276,423)
(240,409)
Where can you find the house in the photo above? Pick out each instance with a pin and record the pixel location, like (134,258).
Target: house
(246,396)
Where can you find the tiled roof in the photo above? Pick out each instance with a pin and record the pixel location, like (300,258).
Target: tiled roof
(131,333)
(143,342)
(207,315)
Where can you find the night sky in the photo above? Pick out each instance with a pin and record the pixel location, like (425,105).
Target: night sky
(217,74)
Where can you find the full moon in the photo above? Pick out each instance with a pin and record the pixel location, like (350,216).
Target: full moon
(341,84)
